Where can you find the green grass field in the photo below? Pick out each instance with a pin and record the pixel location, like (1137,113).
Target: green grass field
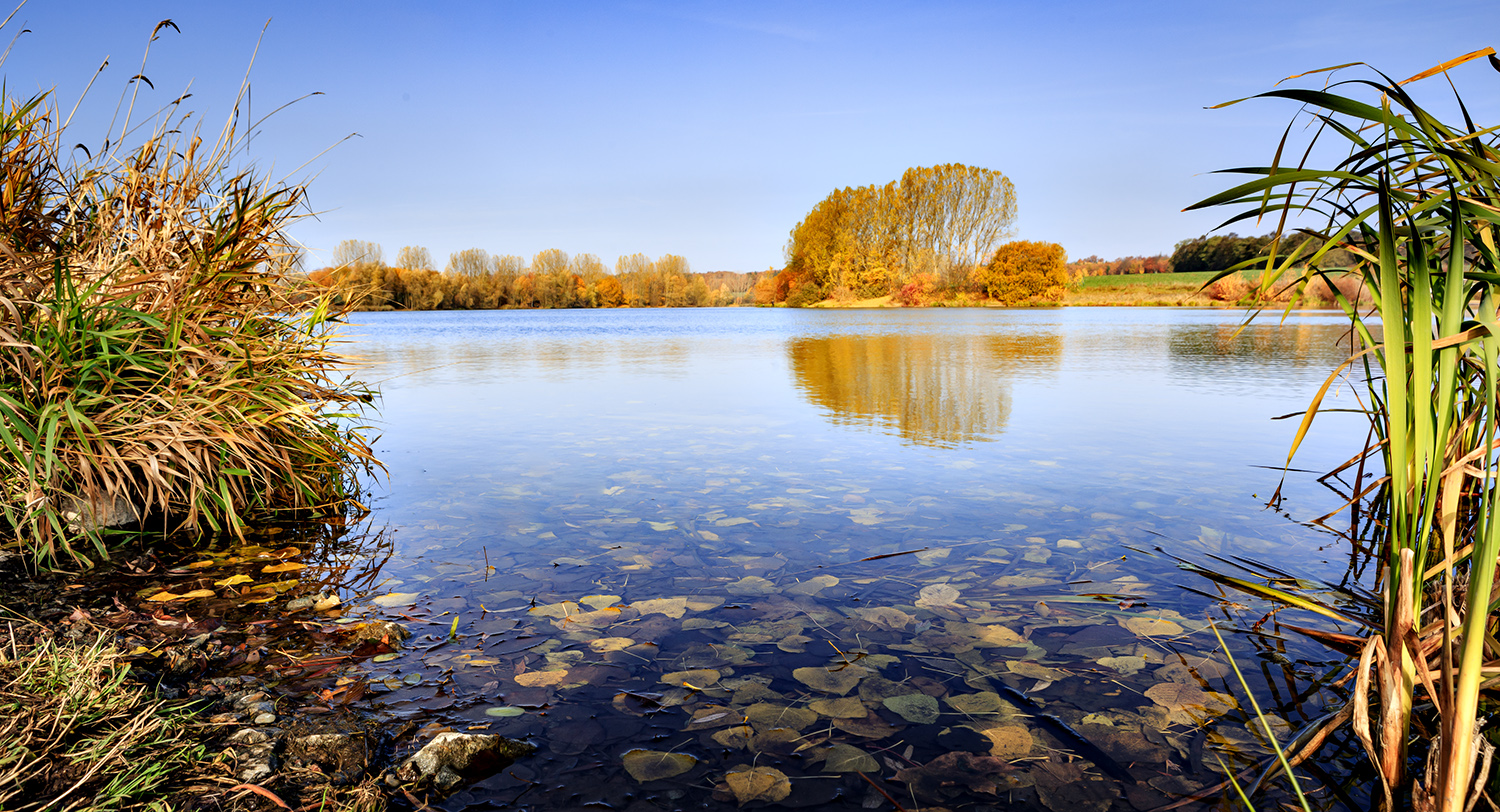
(1195,279)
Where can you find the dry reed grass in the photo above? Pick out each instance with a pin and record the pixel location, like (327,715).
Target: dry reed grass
(152,351)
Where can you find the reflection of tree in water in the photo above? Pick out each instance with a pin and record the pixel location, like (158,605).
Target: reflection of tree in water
(1314,344)
(937,390)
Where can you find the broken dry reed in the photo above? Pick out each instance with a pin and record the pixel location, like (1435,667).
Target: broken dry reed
(155,358)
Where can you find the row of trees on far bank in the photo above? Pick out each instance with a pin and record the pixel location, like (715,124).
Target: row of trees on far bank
(474,279)
(1207,253)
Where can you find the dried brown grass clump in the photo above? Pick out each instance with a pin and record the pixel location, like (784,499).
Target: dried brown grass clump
(152,351)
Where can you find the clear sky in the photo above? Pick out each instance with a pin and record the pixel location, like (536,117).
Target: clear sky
(709,129)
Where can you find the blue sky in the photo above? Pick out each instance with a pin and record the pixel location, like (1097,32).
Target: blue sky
(709,129)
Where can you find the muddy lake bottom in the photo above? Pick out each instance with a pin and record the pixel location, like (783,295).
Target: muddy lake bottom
(716,559)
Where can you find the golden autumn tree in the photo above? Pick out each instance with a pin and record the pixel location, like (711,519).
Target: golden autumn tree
(1024,271)
(871,240)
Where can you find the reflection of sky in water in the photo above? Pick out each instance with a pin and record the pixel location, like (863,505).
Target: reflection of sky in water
(651,454)
(1111,407)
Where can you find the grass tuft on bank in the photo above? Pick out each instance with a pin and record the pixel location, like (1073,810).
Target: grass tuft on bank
(155,360)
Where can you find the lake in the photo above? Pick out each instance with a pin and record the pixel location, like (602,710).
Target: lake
(807,558)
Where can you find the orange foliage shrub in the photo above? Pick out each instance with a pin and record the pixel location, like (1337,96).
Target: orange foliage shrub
(918,291)
(1024,271)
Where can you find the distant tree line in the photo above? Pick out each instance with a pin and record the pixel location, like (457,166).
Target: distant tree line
(1207,253)
(474,279)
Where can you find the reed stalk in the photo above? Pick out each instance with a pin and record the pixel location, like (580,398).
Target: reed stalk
(1417,202)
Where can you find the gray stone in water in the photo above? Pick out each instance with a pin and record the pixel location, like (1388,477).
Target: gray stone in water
(451,758)
(254,763)
(265,719)
(83,515)
(375,631)
(249,735)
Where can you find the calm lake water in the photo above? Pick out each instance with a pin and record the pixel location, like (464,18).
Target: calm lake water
(668,536)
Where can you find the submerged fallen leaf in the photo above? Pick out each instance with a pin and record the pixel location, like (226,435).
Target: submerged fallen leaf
(812,586)
(654,765)
(1009,741)
(504,711)
(671,607)
(736,738)
(919,709)
(847,707)
(1152,626)
(607,644)
(751,585)
(832,679)
(696,678)
(846,758)
(393,599)
(767,715)
(758,784)
(538,679)
(937,595)
(286,566)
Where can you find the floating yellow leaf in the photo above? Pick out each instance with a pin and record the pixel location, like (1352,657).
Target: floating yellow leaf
(199,565)
(234,580)
(163,596)
(274,586)
(285,566)
(654,765)
(758,784)
(599,601)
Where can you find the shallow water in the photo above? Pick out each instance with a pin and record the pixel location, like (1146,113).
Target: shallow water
(823,543)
